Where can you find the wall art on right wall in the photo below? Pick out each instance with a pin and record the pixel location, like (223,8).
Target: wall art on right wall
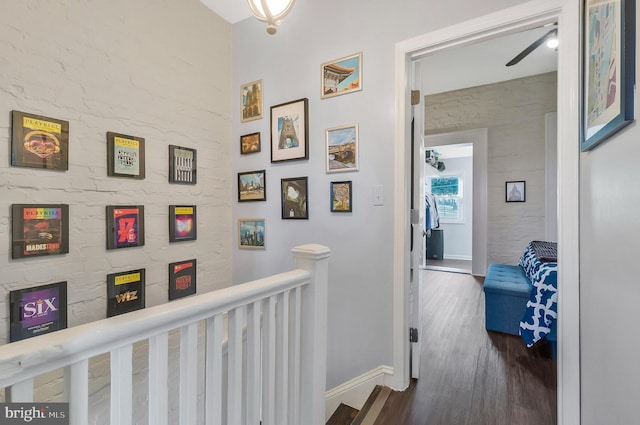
(515,191)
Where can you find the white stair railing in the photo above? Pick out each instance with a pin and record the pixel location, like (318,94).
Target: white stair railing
(276,370)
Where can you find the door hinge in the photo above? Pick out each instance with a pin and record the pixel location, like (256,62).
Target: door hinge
(413,335)
(415,97)
(414,217)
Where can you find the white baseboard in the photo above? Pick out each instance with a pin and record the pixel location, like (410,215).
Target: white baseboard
(457,257)
(355,392)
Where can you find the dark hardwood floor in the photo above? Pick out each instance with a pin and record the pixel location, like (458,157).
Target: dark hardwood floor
(470,376)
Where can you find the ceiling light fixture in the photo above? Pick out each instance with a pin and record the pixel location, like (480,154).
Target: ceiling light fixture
(270,11)
(552,43)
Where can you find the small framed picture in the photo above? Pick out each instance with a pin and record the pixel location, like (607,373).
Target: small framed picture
(182,165)
(294,198)
(342,148)
(125,292)
(39,229)
(251,233)
(37,310)
(125,156)
(182,279)
(341,76)
(182,223)
(250,143)
(341,197)
(290,131)
(39,142)
(252,186)
(251,101)
(125,226)
(515,191)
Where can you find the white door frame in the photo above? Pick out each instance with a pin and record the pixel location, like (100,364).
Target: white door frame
(517,18)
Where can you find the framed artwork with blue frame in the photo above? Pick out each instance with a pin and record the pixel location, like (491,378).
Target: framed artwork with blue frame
(608,69)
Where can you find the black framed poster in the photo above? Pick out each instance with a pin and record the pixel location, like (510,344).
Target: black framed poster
(125,156)
(182,279)
(182,223)
(183,165)
(39,142)
(39,229)
(125,226)
(37,310)
(125,292)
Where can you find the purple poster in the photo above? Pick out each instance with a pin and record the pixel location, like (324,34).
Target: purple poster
(38,310)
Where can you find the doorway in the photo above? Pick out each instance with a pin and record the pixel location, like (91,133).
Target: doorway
(509,20)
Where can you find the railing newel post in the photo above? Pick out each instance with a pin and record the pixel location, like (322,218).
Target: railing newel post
(315,259)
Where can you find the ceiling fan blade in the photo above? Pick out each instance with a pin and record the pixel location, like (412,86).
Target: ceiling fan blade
(533,46)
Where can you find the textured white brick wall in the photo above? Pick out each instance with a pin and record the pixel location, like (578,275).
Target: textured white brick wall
(513,111)
(154,69)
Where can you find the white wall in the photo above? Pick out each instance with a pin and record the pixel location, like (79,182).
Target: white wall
(361,281)
(514,112)
(609,289)
(158,70)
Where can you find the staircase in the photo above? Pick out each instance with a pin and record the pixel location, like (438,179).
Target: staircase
(347,415)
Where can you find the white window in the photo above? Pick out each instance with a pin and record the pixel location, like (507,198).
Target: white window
(448,193)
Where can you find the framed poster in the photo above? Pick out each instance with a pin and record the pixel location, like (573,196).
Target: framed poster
(342,148)
(125,226)
(252,186)
(251,233)
(39,229)
(125,292)
(515,191)
(125,156)
(609,69)
(251,101)
(294,198)
(39,142)
(290,131)
(183,225)
(182,165)
(182,279)
(250,143)
(38,310)
(341,76)
(341,196)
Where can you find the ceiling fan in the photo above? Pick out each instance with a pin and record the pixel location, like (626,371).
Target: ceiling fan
(552,34)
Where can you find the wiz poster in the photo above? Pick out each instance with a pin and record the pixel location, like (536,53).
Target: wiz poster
(39,310)
(125,292)
(125,226)
(39,230)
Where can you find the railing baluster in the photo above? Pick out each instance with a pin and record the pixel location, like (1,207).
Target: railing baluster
(158,379)
(234,395)
(282,358)
(294,358)
(121,386)
(76,383)
(269,361)
(188,373)
(253,363)
(22,392)
(213,371)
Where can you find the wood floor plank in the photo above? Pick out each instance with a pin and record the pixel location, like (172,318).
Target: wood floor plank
(469,376)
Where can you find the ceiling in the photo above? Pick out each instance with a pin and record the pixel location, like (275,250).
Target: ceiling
(484,62)
(231,11)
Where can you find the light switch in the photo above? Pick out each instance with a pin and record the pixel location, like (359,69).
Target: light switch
(378,195)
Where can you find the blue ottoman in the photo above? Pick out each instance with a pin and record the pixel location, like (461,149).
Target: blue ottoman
(506,292)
